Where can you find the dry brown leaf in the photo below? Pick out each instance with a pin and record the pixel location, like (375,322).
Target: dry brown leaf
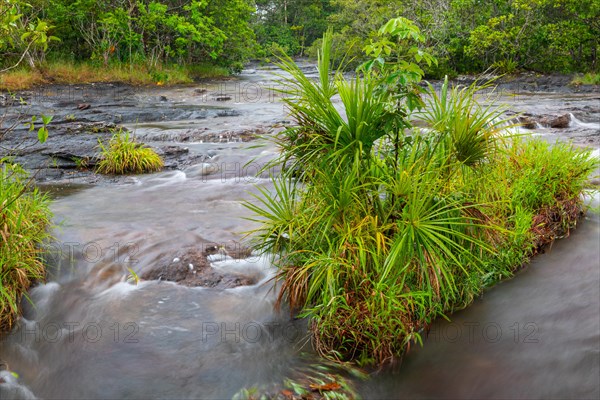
(326,387)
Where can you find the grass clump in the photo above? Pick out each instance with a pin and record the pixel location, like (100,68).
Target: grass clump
(24,218)
(382,227)
(545,181)
(20,79)
(124,155)
(591,78)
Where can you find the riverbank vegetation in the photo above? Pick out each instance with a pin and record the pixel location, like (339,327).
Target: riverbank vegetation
(64,72)
(466,36)
(380,225)
(24,221)
(587,79)
(152,41)
(133,41)
(24,218)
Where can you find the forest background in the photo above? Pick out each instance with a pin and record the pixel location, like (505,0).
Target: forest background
(174,41)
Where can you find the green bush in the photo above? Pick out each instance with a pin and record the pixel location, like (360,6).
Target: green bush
(124,155)
(382,227)
(24,218)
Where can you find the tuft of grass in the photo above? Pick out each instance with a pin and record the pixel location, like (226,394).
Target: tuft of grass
(125,155)
(20,79)
(81,163)
(133,277)
(24,219)
(590,78)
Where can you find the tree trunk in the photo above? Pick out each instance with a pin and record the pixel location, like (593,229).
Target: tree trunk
(30,59)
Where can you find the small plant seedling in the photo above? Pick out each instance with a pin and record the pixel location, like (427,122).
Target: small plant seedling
(133,277)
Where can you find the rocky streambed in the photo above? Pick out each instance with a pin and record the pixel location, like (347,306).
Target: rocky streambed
(84,115)
(152,291)
(222,112)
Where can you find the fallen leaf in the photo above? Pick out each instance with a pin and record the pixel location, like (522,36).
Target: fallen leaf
(326,387)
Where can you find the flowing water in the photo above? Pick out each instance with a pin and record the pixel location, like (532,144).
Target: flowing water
(94,334)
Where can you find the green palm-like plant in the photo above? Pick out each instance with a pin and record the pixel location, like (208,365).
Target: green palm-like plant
(322,129)
(471,131)
(379,232)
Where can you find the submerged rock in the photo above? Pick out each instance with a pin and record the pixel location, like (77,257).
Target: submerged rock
(527,122)
(192,268)
(560,122)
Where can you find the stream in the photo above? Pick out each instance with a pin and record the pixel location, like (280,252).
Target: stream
(93,333)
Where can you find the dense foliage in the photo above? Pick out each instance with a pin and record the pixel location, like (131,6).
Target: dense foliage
(465,35)
(291,25)
(381,227)
(474,35)
(131,31)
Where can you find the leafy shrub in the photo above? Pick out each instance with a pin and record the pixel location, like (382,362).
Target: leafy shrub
(382,227)
(124,155)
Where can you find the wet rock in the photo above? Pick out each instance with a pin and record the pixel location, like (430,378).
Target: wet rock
(173,151)
(227,113)
(192,268)
(69,155)
(223,98)
(91,127)
(527,122)
(104,275)
(75,134)
(234,250)
(561,121)
(245,135)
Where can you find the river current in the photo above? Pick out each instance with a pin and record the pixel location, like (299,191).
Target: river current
(92,333)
